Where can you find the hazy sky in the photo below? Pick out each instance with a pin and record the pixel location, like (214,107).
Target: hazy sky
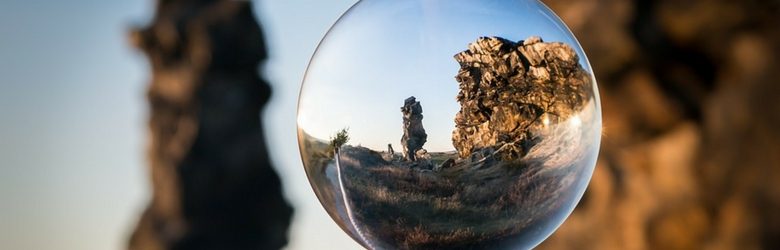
(73,114)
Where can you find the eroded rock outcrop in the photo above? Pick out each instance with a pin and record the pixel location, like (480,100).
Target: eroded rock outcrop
(414,134)
(508,89)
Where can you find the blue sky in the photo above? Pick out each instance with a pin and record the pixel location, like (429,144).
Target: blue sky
(73,113)
(385,51)
(71,124)
(294,28)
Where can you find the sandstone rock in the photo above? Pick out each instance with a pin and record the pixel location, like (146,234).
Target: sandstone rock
(505,87)
(414,134)
(422,154)
(423,159)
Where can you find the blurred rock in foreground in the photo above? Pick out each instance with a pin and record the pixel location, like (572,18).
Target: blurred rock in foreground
(691,150)
(213,184)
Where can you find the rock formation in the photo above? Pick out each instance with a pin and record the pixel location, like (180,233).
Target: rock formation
(213,184)
(390,155)
(689,93)
(507,87)
(414,134)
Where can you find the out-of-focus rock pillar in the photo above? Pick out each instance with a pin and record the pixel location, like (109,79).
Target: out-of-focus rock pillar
(690,93)
(213,185)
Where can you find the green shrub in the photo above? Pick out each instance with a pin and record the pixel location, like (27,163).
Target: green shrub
(338,140)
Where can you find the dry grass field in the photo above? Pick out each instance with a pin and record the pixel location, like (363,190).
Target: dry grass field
(491,204)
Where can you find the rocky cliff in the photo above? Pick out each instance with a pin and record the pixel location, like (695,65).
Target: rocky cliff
(508,89)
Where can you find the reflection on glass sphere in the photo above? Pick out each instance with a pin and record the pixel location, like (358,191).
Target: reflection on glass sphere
(433,124)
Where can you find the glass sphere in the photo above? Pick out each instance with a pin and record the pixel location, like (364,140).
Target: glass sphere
(437,124)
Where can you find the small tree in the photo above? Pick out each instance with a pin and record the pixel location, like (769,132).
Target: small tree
(338,140)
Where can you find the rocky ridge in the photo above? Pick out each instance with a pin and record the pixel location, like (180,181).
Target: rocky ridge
(508,90)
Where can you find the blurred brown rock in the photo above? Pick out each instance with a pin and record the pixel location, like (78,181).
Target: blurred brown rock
(690,157)
(213,185)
